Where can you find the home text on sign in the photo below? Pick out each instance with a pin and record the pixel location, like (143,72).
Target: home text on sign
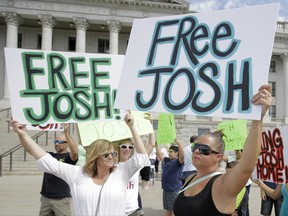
(271,164)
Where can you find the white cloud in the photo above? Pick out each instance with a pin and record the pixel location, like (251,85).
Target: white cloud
(209,5)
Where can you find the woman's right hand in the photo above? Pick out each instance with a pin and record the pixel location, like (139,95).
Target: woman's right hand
(257,181)
(18,128)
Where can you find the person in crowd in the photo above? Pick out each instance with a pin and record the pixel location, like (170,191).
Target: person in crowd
(242,198)
(164,152)
(98,188)
(145,177)
(267,202)
(145,172)
(216,193)
(125,151)
(152,157)
(248,184)
(171,174)
(55,193)
(188,168)
(275,194)
(157,167)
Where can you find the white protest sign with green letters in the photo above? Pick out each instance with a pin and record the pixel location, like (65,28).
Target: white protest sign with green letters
(208,64)
(54,87)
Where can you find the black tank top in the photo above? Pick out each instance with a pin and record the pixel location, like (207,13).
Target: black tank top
(199,205)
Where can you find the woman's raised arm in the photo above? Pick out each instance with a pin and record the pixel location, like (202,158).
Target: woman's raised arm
(28,144)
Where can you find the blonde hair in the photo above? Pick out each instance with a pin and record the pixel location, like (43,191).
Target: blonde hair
(218,137)
(219,142)
(96,150)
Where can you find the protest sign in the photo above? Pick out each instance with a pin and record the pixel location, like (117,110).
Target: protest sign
(166,132)
(273,160)
(113,130)
(208,64)
(235,133)
(49,87)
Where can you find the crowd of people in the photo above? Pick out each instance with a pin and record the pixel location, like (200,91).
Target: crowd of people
(103,178)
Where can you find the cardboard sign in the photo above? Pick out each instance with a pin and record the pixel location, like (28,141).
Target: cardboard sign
(235,132)
(113,130)
(207,64)
(273,160)
(52,87)
(166,132)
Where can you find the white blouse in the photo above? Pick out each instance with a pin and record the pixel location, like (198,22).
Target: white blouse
(85,193)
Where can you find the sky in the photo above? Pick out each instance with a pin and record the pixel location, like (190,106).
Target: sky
(210,5)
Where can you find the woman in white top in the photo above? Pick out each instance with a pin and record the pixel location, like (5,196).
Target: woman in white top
(125,152)
(98,187)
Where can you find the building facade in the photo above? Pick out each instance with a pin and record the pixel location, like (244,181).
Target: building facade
(103,26)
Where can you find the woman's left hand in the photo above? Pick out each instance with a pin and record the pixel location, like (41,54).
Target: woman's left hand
(263,97)
(129,119)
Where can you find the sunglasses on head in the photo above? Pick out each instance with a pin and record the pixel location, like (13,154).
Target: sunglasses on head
(59,141)
(113,154)
(122,146)
(203,149)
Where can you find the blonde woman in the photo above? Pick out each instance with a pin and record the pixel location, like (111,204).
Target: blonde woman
(98,187)
(215,194)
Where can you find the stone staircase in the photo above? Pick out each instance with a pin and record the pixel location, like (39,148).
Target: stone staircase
(22,162)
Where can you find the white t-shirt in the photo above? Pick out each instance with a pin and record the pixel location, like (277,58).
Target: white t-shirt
(132,194)
(188,166)
(85,193)
(164,152)
(152,155)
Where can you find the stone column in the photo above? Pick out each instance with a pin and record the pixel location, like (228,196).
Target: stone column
(13,20)
(81,25)
(47,22)
(114,28)
(284,57)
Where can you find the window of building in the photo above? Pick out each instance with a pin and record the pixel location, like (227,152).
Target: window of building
(103,45)
(272,111)
(272,67)
(72,44)
(39,41)
(273,85)
(19,42)
(202,131)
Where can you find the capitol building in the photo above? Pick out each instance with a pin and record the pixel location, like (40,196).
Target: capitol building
(103,26)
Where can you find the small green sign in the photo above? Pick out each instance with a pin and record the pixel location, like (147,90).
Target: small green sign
(166,129)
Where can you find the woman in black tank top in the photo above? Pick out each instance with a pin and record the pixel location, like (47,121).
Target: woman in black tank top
(215,194)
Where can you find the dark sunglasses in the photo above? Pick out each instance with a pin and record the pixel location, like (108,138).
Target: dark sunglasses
(203,149)
(59,141)
(131,147)
(113,154)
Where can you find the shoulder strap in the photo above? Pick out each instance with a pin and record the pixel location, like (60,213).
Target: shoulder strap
(199,180)
(188,180)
